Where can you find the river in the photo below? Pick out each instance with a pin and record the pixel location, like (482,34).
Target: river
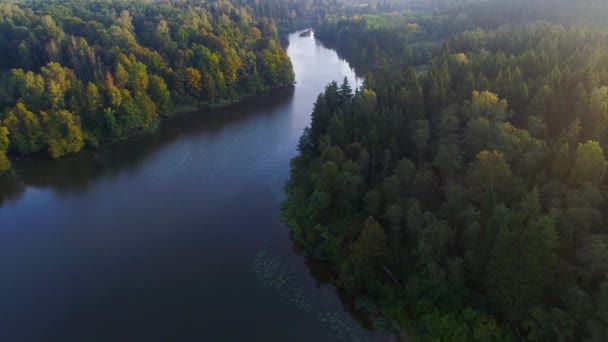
(175,236)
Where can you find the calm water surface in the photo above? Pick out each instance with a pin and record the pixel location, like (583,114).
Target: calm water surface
(174,237)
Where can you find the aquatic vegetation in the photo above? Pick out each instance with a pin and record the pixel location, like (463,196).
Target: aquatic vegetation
(321,304)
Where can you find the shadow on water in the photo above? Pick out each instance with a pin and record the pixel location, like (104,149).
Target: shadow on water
(75,173)
(358,67)
(10,188)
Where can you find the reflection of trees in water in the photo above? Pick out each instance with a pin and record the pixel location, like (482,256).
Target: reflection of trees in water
(76,173)
(323,305)
(353,62)
(10,188)
(306,33)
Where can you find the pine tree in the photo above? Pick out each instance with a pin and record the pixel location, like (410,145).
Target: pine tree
(345,93)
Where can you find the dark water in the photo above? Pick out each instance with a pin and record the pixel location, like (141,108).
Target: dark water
(174,237)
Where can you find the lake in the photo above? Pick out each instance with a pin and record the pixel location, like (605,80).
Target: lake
(175,236)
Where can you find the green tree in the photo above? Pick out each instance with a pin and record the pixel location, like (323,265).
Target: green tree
(139,79)
(159,91)
(590,164)
(24,129)
(521,268)
(367,254)
(64,134)
(345,93)
(5,163)
(93,106)
(490,179)
(486,105)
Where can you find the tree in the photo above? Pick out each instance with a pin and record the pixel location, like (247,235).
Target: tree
(521,268)
(372,202)
(58,81)
(345,93)
(490,179)
(5,163)
(139,80)
(440,78)
(28,86)
(24,129)
(590,164)
(4,141)
(414,97)
(125,20)
(64,134)
(394,214)
(159,91)
(93,106)
(113,93)
(420,135)
(193,82)
(367,254)
(594,255)
(449,160)
(121,76)
(486,105)
(147,112)
(320,117)
(93,98)
(434,241)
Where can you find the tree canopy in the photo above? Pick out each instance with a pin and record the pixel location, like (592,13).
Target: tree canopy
(77,74)
(463,187)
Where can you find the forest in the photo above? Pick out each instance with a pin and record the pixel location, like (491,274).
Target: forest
(462,189)
(458,195)
(76,74)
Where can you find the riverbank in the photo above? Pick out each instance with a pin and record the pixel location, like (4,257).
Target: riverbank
(174,113)
(195,108)
(133,233)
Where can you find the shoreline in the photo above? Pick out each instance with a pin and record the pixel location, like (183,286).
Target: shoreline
(175,113)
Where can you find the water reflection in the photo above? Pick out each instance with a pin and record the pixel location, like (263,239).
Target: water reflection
(353,61)
(10,188)
(75,173)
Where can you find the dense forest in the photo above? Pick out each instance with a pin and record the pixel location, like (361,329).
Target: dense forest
(414,37)
(81,73)
(462,189)
(291,15)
